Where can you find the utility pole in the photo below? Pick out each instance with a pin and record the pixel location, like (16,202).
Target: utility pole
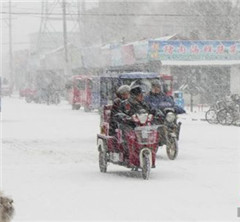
(10,45)
(48,38)
(42,24)
(81,22)
(66,67)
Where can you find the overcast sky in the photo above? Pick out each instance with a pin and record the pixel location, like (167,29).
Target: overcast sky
(23,25)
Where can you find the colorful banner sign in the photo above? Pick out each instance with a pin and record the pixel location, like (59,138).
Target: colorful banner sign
(141,51)
(116,56)
(193,50)
(128,54)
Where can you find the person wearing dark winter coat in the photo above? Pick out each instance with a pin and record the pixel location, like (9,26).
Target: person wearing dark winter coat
(158,100)
(128,108)
(134,105)
(122,94)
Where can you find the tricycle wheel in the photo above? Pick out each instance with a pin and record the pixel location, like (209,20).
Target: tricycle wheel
(87,109)
(103,161)
(172,149)
(28,99)
(146,168)
(75,107)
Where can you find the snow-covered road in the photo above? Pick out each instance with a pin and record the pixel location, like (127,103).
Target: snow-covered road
(50,168)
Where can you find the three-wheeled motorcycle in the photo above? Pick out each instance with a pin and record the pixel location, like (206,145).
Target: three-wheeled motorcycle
(82,92)
(137,149)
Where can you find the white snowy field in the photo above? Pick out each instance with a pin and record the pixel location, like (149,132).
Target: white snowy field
(50,168)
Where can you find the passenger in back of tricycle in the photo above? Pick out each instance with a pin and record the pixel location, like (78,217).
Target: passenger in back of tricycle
(122,94)
(135,140)
(138,138)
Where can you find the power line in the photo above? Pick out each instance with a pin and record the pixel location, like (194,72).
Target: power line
(10,41)
(119,14)
(16,43)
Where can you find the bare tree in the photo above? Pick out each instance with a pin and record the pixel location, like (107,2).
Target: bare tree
(216,19)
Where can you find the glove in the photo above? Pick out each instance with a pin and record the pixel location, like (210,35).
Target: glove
(122,117)
(128,118)
(159,113)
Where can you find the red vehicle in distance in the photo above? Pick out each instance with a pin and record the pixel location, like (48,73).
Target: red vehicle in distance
(167,81)
(94,92)
(80,92)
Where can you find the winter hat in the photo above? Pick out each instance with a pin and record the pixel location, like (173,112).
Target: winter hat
(123,89)
(156,83)
(136,90)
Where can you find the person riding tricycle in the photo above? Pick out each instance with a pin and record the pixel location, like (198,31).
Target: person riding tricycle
(138,130)
(170,128)
(136,140)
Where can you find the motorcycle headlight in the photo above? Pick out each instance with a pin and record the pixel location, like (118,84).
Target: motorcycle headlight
(143,118)
(150,117)
(170,117)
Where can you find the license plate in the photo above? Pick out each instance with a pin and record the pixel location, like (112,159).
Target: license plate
(145,134)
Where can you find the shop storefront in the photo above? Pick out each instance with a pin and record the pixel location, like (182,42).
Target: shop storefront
(212,68)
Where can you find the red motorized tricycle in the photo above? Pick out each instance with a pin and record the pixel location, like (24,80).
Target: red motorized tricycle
(141,143)
(80,92)
(31,95)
